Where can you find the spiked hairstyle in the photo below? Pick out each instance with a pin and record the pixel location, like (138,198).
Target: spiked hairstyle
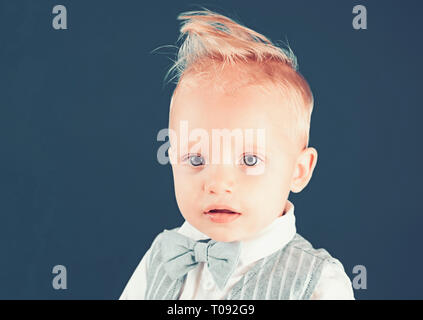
(212,43)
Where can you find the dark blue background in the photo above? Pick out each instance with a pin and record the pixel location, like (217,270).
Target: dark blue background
(80,110)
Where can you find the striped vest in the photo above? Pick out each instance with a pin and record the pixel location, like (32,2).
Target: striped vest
(289,273)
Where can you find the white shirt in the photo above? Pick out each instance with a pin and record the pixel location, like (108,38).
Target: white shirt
(333,284)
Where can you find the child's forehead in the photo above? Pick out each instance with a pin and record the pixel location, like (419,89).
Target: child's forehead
(251,105)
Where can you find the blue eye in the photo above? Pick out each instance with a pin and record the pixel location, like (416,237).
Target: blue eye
(250,160)
(196,160)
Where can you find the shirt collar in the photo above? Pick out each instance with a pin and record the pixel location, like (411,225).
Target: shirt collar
(267,241)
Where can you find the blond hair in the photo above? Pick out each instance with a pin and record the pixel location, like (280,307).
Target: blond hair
(213,42)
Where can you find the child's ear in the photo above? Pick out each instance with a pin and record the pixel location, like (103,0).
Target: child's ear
(304,167)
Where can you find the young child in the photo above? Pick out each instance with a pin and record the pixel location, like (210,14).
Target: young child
(239,238)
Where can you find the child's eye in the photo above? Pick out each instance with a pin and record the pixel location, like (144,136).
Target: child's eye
(250,159)
(196,160)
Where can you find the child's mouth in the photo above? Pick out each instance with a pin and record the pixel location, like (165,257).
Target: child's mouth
(221,211)
(222,215)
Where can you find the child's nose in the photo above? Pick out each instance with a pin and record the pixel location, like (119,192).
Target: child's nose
(220,181)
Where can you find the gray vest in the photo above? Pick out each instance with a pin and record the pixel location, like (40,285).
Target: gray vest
(289,273)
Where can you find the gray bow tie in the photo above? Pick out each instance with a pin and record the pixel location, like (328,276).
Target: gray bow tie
(182,254)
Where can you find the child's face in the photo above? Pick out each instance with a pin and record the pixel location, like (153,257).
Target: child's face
(259,190)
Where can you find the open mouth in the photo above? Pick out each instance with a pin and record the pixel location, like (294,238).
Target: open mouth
(222,211)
